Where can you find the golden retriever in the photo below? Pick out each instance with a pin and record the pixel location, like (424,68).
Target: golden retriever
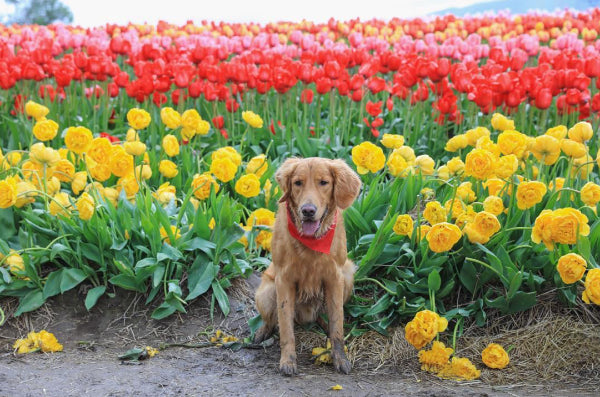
(310,272)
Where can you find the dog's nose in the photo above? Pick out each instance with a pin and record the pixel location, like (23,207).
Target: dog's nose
(308,210)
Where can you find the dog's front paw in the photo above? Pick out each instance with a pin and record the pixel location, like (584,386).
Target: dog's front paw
(288,367)
(341,363)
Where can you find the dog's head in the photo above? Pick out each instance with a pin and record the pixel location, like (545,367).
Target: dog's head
(313,189)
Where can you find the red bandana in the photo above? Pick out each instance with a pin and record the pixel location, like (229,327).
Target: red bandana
(321,244)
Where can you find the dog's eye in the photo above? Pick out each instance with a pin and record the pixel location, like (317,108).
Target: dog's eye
(298,183)
(323,183)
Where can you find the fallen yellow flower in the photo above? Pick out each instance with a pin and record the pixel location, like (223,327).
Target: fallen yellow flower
(337,387)
(220,337)
(151,351)
(459,368)
(323,354)
(36,341)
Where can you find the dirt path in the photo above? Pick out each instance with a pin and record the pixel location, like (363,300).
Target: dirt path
(210,372)
(93,341)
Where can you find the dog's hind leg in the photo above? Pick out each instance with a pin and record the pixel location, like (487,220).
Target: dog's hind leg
(348,271)
(266,303)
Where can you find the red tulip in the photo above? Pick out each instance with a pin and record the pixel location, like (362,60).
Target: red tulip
(307,96)
(231,105)
(543,99)
(324,85)
(592,67)
(374,108)
(47,90)
(596,103)
(376,85)
(332,69)
(573,96)
(195,89)
(389,103)
(111,138)
(176,96)
(218,122)
(356,82)
(159,99)
(513,98)
(378,122)
(357,95)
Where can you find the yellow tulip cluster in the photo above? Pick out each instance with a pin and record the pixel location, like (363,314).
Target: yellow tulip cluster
(190,121)
(98,159)
(502,168)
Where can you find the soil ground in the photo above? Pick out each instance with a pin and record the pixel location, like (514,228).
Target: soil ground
(93,341)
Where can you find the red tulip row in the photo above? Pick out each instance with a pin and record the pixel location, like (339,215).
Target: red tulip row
(345,58)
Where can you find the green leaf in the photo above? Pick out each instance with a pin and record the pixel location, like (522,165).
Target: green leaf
(164,310)
(33,300)
(127,282)
(198,243)
(132,354)
(515,284)
(382,304)
(522,301)
(495,262)
(52,285)
(584,248)
(91,252)
(60,250)
(434,281)
(468,276)
(7,224)
(200,278)
(71,278)
(254,324)
(173,288)
(221,297)
(168,252)
(145,263)
(448,288)
(158,274)
(5,275)
(354,217)
(93,295)
(118,246)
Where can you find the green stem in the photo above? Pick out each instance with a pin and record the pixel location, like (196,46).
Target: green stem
(360,280)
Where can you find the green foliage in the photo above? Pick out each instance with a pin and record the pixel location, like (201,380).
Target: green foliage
(39,12)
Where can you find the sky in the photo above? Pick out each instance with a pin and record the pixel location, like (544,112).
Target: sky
(96,13)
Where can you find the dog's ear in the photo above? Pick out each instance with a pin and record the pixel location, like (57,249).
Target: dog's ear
(283,175)
(346,184)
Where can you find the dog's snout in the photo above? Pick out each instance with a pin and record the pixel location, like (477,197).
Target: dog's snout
(308,210)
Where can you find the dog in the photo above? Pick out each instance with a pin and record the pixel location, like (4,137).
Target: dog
(310,273)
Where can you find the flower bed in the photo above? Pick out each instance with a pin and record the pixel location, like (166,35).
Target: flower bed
(142,157)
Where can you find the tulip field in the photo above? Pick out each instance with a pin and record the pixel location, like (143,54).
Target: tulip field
(142,157)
